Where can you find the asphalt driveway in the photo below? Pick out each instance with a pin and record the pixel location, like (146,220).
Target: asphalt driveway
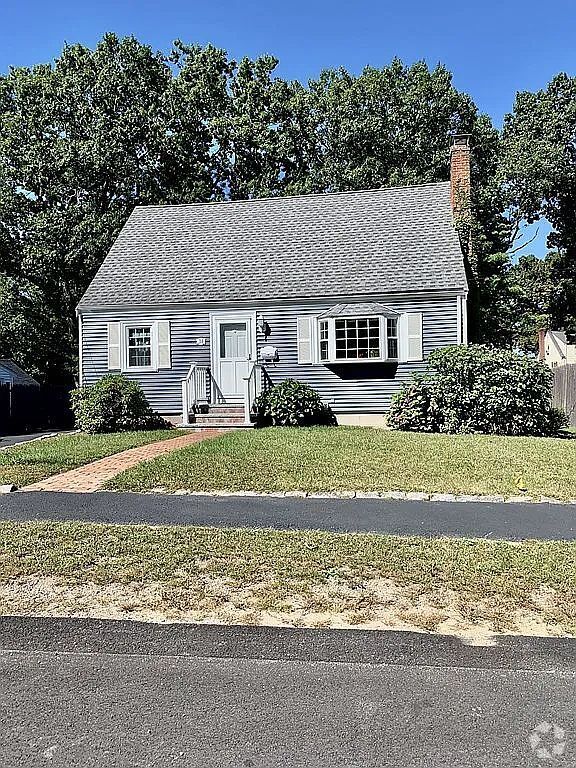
(457,519)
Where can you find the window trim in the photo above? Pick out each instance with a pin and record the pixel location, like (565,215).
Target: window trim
(383,346)
(126,327)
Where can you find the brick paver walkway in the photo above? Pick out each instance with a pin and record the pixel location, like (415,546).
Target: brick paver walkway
(92,476)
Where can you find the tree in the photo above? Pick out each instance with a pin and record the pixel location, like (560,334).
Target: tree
(81,143)
(516,300)
(538,170)
(32,335)
(84,140)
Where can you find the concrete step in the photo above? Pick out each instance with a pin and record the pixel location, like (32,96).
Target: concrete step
(215,418)
(217,425)
(226,410)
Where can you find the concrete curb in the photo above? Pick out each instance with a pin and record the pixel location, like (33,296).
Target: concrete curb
(389,495)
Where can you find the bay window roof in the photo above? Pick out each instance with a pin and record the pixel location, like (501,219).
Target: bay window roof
(364,309)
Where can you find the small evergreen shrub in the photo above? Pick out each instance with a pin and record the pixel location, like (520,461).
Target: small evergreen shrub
(292,404)
(479,389)
(114,404)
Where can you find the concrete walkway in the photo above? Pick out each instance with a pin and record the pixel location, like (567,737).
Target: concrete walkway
(92,476)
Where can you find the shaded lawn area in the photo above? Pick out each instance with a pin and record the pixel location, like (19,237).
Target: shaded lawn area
(217,573)
(34,461)
(356,458)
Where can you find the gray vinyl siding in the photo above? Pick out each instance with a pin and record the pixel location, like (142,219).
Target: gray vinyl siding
(359,388)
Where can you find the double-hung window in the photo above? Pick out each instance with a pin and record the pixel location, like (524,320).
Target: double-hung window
(323,340)
(139,346)
(392,338)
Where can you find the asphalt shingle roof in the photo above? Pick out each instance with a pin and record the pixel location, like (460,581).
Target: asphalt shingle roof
(346,243)
(18,374)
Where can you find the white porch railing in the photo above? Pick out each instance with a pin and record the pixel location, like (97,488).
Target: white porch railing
(195,390)
(252,388)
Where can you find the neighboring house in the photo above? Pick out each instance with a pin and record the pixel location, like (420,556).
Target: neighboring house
(348,292)
(10,373)
(555,350)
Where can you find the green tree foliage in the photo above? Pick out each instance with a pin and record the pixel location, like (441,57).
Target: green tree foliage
(539,172)
(516,300)
(81,143)
(31,334)
(85,139)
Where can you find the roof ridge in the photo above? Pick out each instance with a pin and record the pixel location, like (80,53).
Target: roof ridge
(294,197)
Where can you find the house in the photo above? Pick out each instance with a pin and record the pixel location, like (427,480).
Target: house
(555,350)
(205,304)
(11,373)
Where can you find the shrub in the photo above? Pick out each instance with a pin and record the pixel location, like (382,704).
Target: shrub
(479,389)
(114,404)
(292,404)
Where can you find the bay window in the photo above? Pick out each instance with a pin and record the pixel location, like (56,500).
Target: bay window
(365,332)
(357,339)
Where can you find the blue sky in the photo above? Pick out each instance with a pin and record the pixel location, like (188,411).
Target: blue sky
(493,48)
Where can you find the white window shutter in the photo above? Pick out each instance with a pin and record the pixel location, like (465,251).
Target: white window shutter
(114,362)
(410,337)
(305,339)
(163,342)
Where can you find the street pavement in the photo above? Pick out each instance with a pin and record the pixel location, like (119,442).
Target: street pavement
(515,521)
(6,441)
(94,693)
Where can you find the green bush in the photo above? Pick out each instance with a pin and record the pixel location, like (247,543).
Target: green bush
(479,389)
(114,404)
(292,404)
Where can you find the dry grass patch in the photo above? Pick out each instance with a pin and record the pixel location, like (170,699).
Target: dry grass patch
(471,588)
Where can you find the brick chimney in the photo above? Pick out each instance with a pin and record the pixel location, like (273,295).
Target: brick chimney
(460,176)
(542,344)
(460,192)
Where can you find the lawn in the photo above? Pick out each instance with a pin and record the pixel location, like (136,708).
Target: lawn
(36,460)
(291,577)
(356,458)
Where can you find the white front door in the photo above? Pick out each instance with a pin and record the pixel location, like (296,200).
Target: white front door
(232,350)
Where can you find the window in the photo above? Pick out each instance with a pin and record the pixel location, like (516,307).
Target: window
(362,333)
(392,337)
(357,338)
(323,331)
(369,338)
(139,347)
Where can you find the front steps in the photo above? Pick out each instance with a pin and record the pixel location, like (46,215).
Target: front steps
(221,416)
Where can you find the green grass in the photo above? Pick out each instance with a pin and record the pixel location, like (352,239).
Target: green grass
(278,565)
(36,460)
(355,458)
